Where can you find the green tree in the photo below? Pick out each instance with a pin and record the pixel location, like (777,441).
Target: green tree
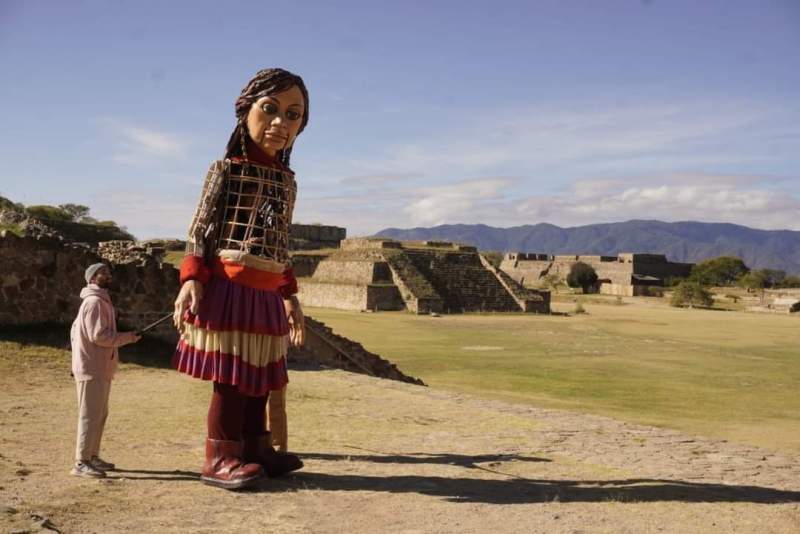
(78,212)
(754,280)
(774,277)
(690,293)
(722,271)
(581,275)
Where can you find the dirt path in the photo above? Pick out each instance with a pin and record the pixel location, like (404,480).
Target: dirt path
(380,457)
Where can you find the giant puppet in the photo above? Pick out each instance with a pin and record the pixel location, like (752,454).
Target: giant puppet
(236,308)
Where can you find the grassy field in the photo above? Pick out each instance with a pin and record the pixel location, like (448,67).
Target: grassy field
(723,374)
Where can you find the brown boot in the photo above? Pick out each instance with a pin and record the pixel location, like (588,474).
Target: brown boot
(259,449)
(224,467)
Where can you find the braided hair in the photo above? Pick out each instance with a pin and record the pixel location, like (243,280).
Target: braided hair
(266,82)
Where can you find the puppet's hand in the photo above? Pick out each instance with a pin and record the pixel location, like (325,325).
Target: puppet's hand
(190,294)
(297,322)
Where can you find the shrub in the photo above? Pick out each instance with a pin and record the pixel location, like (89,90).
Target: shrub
(578,309)
(791,281)
(722,271)
(672,281)
(582,275)
(48,212)
(6,204)
(691,294)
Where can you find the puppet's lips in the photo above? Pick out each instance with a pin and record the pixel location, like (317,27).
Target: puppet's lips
(273,135)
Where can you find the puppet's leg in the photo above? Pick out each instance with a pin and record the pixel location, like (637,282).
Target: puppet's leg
(224,466)
(278,426)
(258,442)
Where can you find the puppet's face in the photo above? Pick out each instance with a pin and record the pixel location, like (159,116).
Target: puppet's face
(273,121)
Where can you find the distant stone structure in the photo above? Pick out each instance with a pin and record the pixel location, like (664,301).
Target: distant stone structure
(627,274)
(423,277)
(315,236)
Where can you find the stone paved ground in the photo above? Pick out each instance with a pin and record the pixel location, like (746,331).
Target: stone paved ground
(380,456)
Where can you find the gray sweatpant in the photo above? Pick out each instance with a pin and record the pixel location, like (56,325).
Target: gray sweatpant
(92,415)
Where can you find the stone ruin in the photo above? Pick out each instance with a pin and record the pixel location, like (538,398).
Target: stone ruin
(626,274)
(120,252)
(422,277)
(41,278)
(315,236)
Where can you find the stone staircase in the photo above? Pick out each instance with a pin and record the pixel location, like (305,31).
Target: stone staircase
(462,281)
(418,294)
(323,346)
(529,300)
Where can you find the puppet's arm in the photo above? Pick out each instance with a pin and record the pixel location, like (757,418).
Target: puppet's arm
(193,266)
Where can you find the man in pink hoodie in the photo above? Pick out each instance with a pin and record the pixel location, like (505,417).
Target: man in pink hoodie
(95,340)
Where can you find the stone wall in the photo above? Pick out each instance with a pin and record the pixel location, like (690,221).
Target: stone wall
(353,272)
(305,265)
(125,251)
(42,279)
(364,243)
(343,296)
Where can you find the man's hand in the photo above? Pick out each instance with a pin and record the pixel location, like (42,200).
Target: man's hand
(134,337)
(297,322)
(190,294)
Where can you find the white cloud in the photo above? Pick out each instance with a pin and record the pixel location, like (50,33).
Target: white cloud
(705,198)
(135,144)
(464,199)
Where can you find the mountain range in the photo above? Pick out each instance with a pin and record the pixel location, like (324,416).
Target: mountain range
(679,241)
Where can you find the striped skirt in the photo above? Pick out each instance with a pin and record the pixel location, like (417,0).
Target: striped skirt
(238,337)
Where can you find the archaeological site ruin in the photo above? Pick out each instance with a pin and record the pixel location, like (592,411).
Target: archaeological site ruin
(422,277)
(627,274)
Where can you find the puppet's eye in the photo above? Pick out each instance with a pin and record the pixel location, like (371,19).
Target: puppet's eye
(269,108)
(292,115)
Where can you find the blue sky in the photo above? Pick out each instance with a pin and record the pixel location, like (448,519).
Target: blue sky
(421,113)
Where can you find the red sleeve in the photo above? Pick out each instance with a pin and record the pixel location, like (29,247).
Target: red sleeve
(289,285)
(194,268)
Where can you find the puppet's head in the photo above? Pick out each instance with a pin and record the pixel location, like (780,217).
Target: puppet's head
(271,110)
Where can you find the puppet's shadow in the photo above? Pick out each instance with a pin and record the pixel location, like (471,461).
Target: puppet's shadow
(517,490)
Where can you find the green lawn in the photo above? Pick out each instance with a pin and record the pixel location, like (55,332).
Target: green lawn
(726,374)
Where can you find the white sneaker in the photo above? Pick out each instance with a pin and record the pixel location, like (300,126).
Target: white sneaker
(102,465)
(85,469)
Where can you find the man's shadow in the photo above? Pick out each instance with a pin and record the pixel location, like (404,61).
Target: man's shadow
(512,490)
